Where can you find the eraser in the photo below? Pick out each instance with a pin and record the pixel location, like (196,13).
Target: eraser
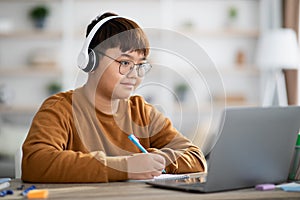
(37,194)
(264,187)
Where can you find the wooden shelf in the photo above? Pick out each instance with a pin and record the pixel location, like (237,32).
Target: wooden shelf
(216,105)
(244,69)
(32,34)
(22,1)
(30,71)
(221,33)
(233,69)
(15,109)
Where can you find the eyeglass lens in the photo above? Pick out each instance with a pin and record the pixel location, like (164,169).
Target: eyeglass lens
(127,67)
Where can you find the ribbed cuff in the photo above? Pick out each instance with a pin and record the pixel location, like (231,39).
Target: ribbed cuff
(116,168)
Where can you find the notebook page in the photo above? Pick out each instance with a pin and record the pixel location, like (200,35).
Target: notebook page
(173,177)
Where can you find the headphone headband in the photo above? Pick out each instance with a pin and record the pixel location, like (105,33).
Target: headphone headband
(83,57)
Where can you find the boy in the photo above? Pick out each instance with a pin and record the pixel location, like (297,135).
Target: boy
(82,135)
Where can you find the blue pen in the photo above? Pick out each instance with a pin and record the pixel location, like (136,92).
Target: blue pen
(24,193)
(137,143)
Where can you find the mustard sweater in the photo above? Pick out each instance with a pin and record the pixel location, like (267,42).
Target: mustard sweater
(71,141)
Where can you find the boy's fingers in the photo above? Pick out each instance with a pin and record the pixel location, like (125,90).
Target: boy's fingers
(158,158)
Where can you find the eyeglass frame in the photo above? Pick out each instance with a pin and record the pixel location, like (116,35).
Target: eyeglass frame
(139,66)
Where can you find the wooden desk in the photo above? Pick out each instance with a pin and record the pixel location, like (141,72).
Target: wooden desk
(140,191)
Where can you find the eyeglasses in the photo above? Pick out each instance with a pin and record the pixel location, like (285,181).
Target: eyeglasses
(127,66)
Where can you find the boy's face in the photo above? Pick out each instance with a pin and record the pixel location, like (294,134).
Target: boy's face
(112,84)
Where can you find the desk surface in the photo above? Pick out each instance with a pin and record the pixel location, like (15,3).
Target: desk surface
(129,190)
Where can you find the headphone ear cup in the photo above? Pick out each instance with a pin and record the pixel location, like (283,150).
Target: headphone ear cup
(92,62)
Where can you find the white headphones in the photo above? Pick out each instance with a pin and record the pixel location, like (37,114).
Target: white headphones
(87,58)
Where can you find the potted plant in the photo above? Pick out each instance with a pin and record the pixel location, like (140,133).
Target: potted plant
(39,14)
(54,88)
(181,90)
(232,15)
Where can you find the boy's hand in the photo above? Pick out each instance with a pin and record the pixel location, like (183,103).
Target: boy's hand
(145,165)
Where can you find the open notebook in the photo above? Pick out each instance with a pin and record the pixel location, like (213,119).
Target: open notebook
(163,177)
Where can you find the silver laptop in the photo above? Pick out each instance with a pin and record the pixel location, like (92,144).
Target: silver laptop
(255,146)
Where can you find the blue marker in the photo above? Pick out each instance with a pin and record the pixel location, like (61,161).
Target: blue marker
(24,193)
(137,143)
(3,193)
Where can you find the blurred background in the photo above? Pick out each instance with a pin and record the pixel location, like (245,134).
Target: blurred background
(40,41)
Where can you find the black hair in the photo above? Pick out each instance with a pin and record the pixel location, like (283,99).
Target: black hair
(132,37)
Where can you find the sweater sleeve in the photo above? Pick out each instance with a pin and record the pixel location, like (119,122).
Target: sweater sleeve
(53,153)
(181,155)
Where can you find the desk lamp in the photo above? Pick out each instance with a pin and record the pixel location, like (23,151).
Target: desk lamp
(277,50)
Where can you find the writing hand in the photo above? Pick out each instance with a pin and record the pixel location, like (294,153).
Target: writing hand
(145,166)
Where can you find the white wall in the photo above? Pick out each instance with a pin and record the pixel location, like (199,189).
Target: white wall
(69,18)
